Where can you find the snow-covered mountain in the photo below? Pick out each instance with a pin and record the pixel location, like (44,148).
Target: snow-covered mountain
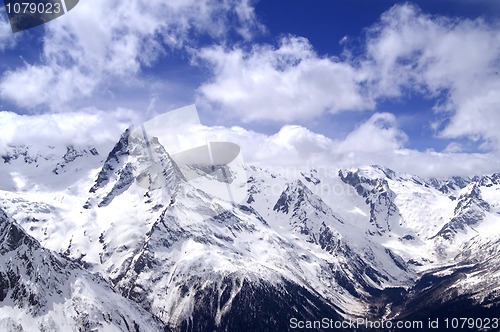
(42,291)
(304,244)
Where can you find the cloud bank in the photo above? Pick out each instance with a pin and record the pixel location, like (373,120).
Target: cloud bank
(86,127)
(376,141)
(105,42)
(453,61)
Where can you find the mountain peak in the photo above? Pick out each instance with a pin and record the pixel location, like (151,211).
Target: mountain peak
(114,158)
(135,159)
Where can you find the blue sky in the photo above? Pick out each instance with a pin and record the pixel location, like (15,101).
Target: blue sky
(409,84)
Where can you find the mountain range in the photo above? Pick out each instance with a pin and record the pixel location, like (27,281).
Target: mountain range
(123,240)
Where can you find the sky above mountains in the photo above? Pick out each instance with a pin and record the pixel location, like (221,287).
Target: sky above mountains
(409,85)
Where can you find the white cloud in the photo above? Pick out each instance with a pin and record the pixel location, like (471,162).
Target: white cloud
(455,60)
(453,147)
(100,43)
(292,145)
(50,85)
(376,141)
(379,133)
(86,127)
(287,83)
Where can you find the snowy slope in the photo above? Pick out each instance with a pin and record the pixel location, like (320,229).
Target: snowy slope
(47,168)
(41,291)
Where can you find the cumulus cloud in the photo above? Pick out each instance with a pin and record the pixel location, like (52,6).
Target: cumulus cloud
(453,61)
(379,133)
(55,85)
(378,140)
(456,61)
(87,127)
(102,42)
(453,147)
(285,83)
(291,145)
